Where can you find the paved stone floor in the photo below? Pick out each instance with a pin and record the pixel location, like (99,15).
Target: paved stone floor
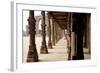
(58,53)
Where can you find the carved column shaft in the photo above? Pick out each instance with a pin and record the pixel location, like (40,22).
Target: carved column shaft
(69,35)
(55,33)
(89,33)
(49,32)
(53,36)
(78,28)
(43,47)
(32,53)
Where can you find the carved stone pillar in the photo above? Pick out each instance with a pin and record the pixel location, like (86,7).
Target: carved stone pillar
(53,36)
(78,28)
(49,32)
(55,33)
(43,47)
(73,50)
(69,24)
(88,32)
(32,53)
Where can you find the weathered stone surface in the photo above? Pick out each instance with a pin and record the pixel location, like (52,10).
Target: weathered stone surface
(32,53)
(43,47)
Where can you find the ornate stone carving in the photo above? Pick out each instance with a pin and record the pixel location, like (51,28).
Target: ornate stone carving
(32,53)
(43,47)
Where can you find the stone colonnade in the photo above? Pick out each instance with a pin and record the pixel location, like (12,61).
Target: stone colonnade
(80,28)
(52,35)
(75,26)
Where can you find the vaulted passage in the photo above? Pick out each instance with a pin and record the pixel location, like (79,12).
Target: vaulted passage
(56,36)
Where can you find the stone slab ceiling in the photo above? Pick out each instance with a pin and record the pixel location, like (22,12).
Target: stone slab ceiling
(61,18)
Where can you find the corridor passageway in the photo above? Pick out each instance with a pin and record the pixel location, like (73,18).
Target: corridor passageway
(57,53)
(56,36)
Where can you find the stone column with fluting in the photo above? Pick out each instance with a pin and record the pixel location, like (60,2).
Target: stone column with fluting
(49,32)
(32,53)
(44,49)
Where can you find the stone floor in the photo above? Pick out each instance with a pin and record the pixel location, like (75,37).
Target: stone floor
(58,53)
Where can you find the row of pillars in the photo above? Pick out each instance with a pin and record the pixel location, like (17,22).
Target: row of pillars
(80,24)
(76,29)
(32,53)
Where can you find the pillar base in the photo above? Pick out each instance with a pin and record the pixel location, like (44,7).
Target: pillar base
(78,58)
(74,58)
(69,53)
(43,50)
(53,43)
(32,55)
(32,60)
